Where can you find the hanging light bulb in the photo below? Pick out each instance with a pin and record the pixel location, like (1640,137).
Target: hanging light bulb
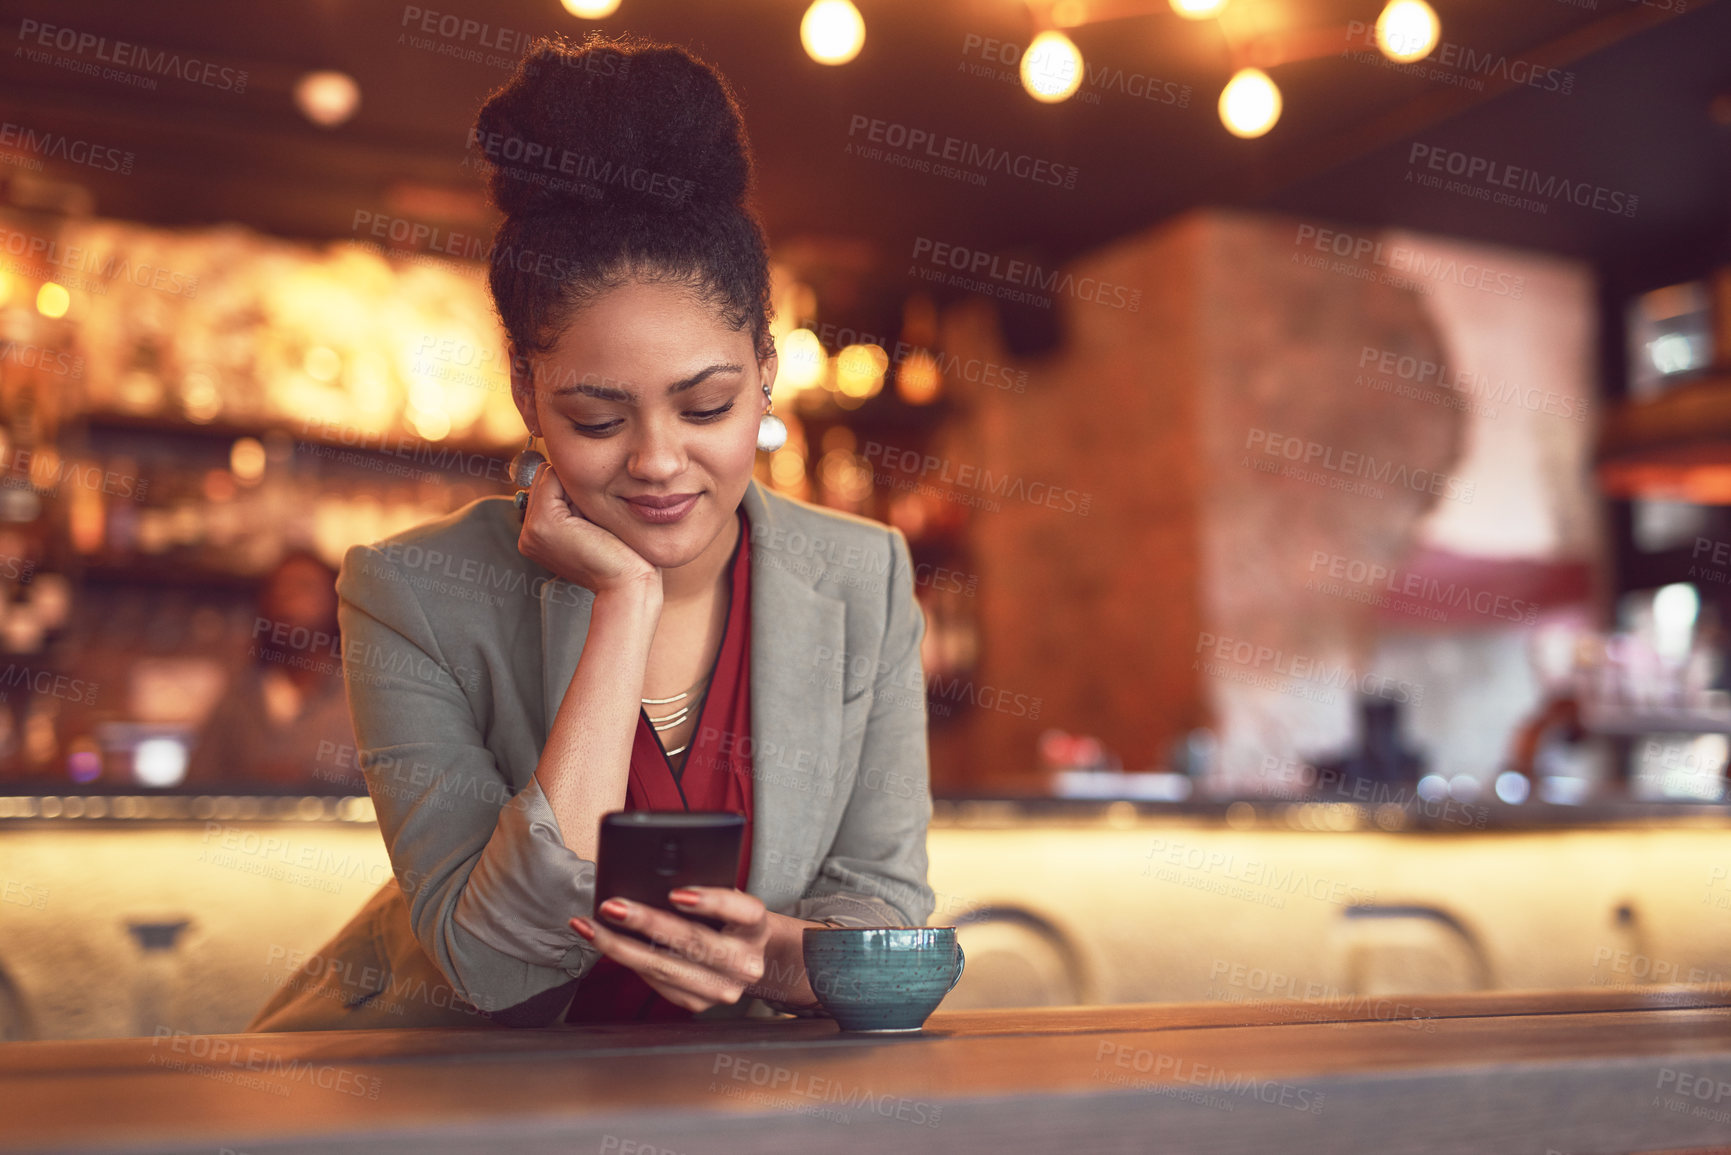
(832,31)
(1198,9)
(591,9)
(1052,68)
(327,98)
(52,300)
(1249,104)
(1407,30)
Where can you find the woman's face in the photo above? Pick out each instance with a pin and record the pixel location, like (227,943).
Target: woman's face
(648,394)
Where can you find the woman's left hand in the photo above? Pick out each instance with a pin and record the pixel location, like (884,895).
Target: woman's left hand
(755,952)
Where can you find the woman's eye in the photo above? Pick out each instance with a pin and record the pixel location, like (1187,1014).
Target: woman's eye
(607,427)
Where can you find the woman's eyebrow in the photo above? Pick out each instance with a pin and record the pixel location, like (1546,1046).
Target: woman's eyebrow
(617,393)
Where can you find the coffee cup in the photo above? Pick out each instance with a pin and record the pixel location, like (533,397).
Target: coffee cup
(882,978)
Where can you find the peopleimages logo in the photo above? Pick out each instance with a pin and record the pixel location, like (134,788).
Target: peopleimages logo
(1479,386)
(1213,651)
(1352,464)
(589,175)
(1502,175)
(38,37)
(56,146)
(71,260)
(1465,62)
(1373,583)
(975,264)
(954,150)
(1407,259)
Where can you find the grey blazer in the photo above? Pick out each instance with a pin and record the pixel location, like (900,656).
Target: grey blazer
(456,654)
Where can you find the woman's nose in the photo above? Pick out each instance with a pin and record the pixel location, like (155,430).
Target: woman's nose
(657,451)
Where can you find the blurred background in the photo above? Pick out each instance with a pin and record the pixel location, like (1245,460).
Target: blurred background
(1311,420)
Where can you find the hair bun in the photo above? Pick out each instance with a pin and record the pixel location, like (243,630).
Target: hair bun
(622,123)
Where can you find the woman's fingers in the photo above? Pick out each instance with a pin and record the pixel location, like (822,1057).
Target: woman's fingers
(733,955)
(675,976)
(670,932)
(743,913)
(557,536)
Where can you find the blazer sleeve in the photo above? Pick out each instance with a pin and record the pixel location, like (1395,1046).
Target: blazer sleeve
(875,871)
(489,882)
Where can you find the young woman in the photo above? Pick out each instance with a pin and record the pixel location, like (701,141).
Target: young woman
(649,629)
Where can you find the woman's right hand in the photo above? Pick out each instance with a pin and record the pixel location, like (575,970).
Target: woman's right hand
(559,538)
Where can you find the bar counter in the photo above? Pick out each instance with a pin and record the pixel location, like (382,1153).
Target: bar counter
(1592,1070)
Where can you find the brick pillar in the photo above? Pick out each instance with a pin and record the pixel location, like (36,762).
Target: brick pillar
(1144,413)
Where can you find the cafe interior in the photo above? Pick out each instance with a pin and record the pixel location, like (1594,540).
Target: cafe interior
(1310,424)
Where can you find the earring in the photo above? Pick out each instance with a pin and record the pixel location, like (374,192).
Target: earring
(522,471)
(771,430)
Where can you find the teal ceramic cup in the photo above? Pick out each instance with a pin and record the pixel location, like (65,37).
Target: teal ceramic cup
(882,978)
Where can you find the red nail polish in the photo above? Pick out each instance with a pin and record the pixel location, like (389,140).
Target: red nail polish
(583,928)
(613,909)
(685,897)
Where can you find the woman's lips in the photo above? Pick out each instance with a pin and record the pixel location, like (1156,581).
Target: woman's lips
(663,510)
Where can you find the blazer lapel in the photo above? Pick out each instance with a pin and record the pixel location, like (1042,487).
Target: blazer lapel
(797,633)
(796,693)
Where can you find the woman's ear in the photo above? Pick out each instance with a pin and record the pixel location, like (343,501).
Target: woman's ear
(523,390)
(766,369)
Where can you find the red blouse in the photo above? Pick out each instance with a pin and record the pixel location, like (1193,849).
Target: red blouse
(716,775)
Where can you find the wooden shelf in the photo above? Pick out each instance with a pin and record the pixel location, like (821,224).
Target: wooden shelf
(114,422)
(1674,446)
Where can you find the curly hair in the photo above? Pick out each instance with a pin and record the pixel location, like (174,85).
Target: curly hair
(612,161)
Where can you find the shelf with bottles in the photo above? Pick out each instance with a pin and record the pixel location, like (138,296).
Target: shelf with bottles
(251,332)
(229,522)
(1659,672)
(311,436)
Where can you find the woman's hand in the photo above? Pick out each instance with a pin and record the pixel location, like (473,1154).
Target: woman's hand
(559,538)
(755,952)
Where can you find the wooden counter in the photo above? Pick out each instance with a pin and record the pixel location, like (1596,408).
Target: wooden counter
(1608,1070)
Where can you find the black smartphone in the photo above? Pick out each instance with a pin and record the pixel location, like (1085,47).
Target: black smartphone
(646,853)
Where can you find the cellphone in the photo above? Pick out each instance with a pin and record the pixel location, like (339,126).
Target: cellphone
(646,853)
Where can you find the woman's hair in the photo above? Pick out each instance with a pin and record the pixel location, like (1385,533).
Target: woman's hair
(617,160)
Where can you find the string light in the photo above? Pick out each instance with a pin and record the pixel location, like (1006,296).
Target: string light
(832,31)
(1249,104)
(327,98)
(1407,30)
(1051,68)
(1198,9)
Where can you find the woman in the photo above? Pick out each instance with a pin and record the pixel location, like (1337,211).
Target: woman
(649,629)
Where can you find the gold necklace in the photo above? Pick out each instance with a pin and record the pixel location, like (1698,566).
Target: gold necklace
(669,721)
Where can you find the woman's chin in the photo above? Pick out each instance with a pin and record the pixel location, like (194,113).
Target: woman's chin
(664,548)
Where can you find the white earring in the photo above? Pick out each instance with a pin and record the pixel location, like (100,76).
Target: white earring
(771,430)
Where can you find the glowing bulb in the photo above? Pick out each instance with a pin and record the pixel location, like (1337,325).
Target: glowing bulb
(1198,9)
(1407,30)
(859,370)
(787,467)
(53,300)
(1675,609)
(246,459)
(159,762)
(832,31)
(1051,67)
(1513,787)
(591,9)
(802,359)
(327,98)
(918,379)
(1249,104)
